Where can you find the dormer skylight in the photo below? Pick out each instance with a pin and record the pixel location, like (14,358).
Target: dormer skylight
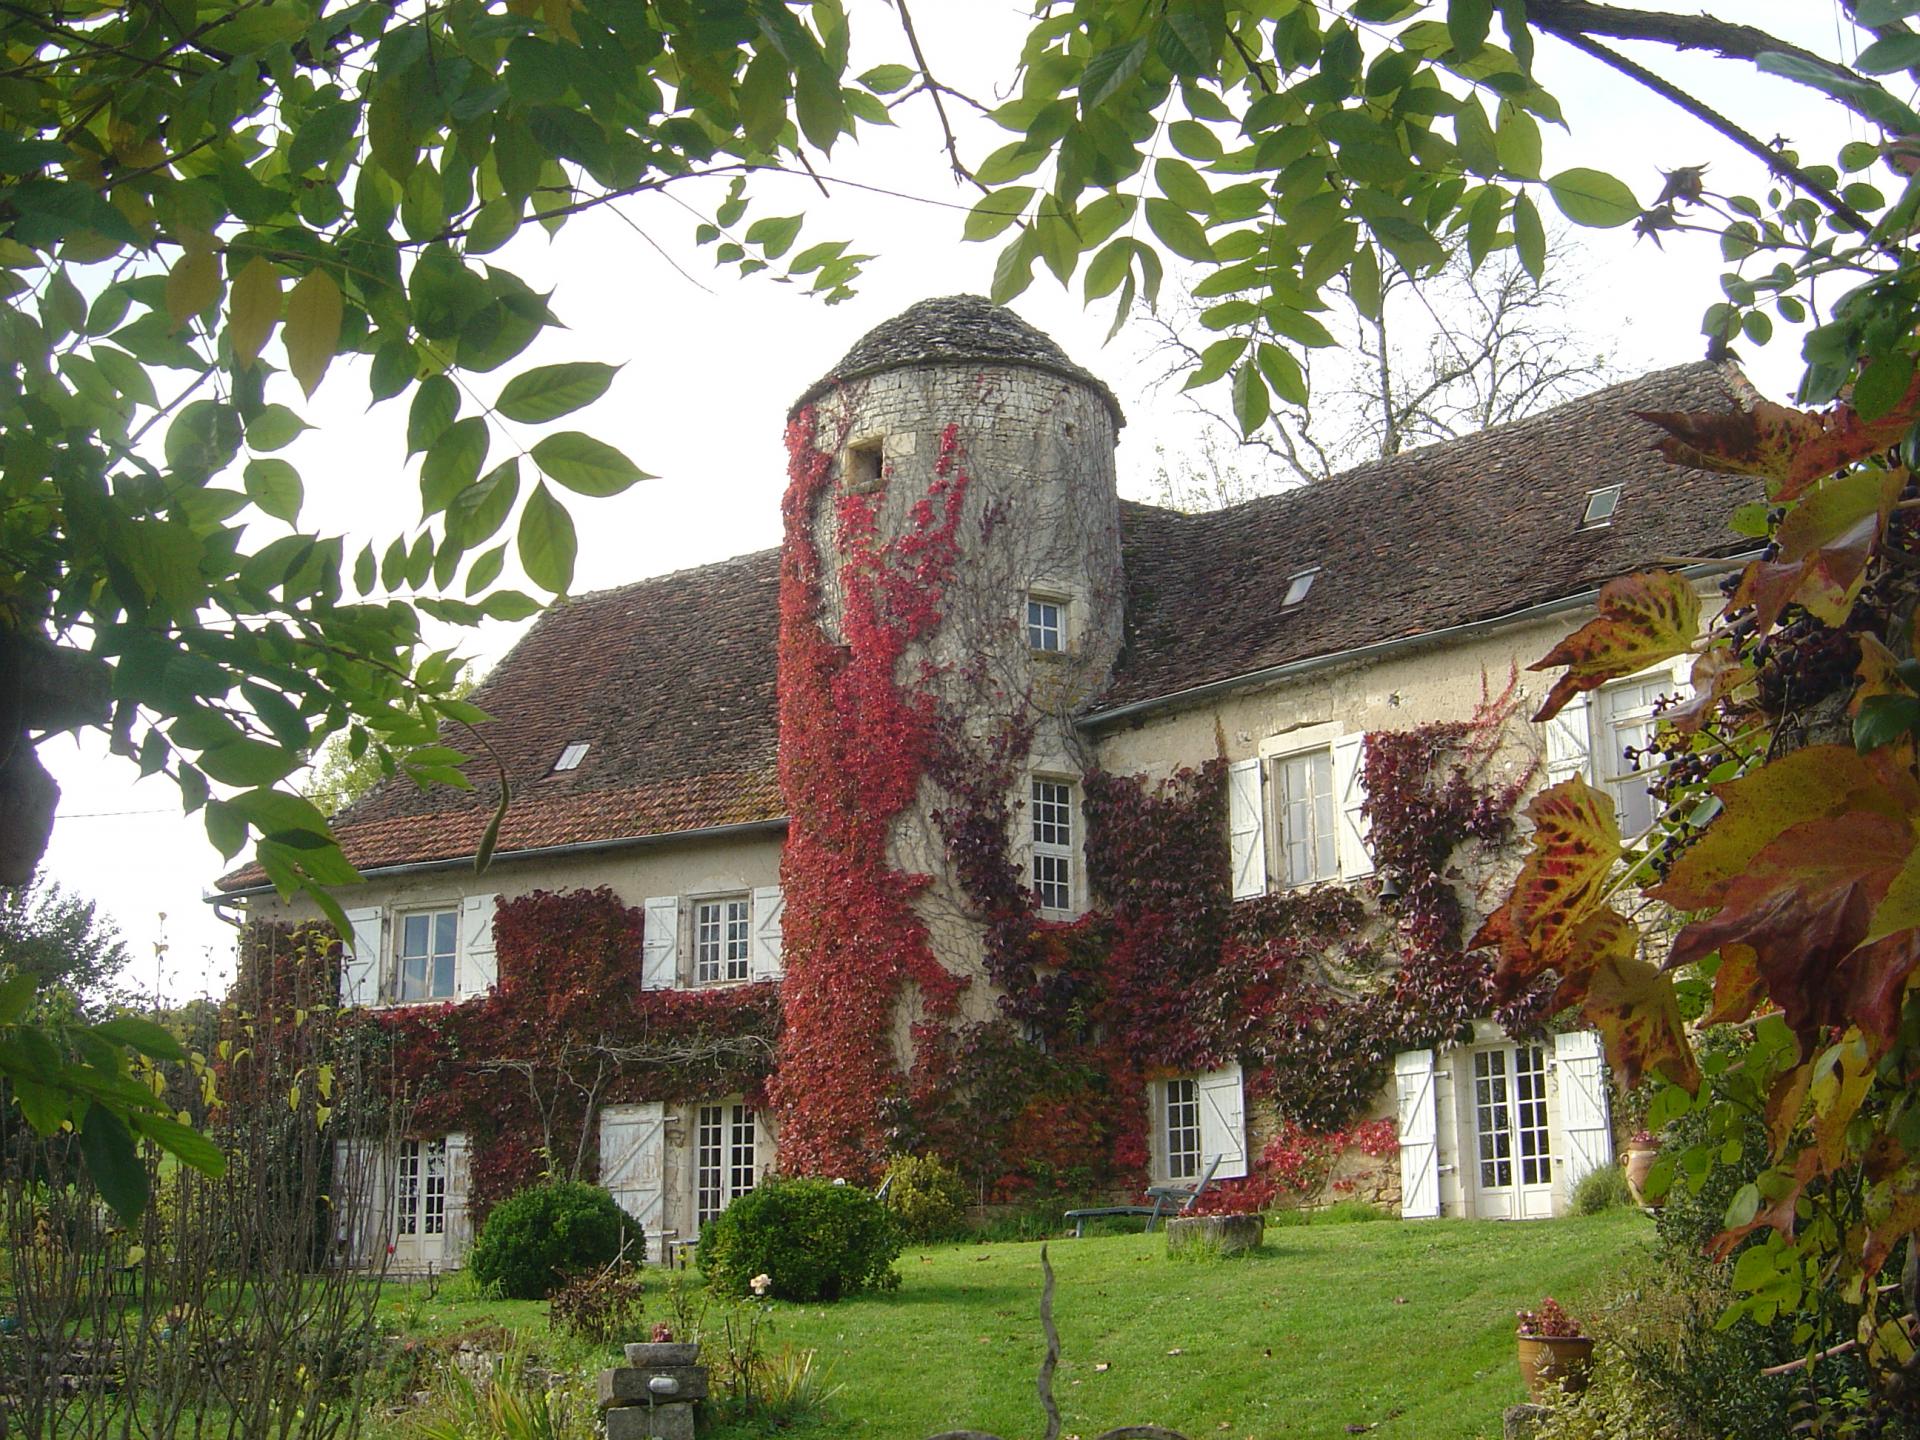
(1601,504)
(1298,584)
(571,757)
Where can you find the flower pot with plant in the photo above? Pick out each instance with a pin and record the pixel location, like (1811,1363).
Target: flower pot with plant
(1642,1150)
(1555,1354)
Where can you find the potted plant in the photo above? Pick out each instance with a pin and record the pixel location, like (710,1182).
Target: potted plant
(1642,1150)
(1554,1352)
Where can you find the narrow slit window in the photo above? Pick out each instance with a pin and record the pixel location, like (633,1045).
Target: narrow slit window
(1601,504)
(1298,584)
(571,757)
(1052,802)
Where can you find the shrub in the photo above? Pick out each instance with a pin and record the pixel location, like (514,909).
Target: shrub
(926,1197)
(1601,1190)
(817,1240)
(601,1306)
(539,1239)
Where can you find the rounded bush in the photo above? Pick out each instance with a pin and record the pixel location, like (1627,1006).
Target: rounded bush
(926,1197)
(1600,1190)
(812,1239)
(537,1240)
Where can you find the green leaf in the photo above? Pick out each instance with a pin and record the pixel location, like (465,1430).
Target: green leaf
(248,762)
(1467,24)
(1181,183)
(1888,54)
(16,993)
(275,487)
(547,543)
(1883,384)
(315,312)
(184,1143)
(1593,198)
(435,404)
(453,463)
(274,428)
(482,508)
(1108,71)
(1251,404)
(775,234)
(258,28)
(1529,236)
(1178,230)
(995,211)
(1872,99)
(886,79)
(126,374)
(586,465)
(1884,719)
(113,1163)
(137,1032)
(551,391)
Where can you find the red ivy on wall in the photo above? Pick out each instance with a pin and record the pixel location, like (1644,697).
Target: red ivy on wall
(854,746)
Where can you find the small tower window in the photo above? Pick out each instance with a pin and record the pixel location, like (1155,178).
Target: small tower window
(571,757)
(863,469)
(1298,584)
(1046,625)
(1601,504)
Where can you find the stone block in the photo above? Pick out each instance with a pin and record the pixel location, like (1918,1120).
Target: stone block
(650,1422)
(630,1386)
(1523,1422)
(1230,1234)
(648,1354)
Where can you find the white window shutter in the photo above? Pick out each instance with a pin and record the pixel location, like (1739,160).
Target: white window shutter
(359,1197)
(459,1182)
(1350,791)
(479,967)
(1246,829)
(1570,742)
(1223,1122)
(360,960)
(660,944)
(633,1165)
(1419,1135)
(1585,1142)
(768,907)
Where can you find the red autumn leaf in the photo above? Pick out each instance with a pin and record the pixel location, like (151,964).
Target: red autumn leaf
(1803,904)
(1874,979)
(1825,545)
(1576,844)
(1893,1212)
(1786,1098)
(1644,618)
(1738,990)
(1632,1004)
(1818,781)
(1790,448)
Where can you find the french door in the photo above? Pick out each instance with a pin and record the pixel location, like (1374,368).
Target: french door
(420,1204)
(1513,1151)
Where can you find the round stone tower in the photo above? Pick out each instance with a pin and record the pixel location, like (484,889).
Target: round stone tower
(951,596)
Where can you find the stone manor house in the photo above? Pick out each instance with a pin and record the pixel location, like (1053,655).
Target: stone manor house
(658,735)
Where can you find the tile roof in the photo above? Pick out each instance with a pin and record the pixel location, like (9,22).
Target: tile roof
(671,680)
(955,330)
(1445,535)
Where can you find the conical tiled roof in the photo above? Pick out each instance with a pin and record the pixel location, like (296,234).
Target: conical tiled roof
(955,330)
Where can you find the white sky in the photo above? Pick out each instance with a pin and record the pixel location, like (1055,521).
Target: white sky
(712,363)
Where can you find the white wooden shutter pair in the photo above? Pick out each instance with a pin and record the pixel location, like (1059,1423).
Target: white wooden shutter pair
(1223,1122)
(1570,742)
(1585,1142)
(769,905)
(1350,794)
(360,959)
(660,939)
(633,1165)
(479,969)
(1419,1134)
(1246,829)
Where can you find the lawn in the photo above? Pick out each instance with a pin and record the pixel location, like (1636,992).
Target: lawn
(1404,1327)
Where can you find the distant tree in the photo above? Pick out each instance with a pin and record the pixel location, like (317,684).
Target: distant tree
(1462,350)
(73,953)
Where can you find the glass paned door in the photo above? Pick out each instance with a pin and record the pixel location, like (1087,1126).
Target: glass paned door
(1513,1149)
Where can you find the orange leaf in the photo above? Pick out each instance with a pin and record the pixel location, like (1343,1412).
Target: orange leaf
(1786,1098)
(1644,618)
(1790,448)
(1825,544)
(1633,1005)
(1576,844)
(1893,1212)
(1737,988)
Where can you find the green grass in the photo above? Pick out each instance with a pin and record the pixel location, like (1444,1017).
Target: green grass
(1404,1326)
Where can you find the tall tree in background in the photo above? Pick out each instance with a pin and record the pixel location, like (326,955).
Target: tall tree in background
(1441,356)
(63,944)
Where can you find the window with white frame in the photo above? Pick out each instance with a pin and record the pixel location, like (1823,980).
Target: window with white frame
(1625,720)
(1046,625)
(722,939)
(1052,808)
(1600,506)
(428,954)
(420,1188)
(1180,1124)
(724,1159)
(1304,809)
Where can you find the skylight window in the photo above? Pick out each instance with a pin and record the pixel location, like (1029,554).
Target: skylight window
(1601,504)
(1298,585)
(571,757)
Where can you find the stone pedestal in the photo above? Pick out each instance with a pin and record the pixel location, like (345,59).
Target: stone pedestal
(1229,1234)
(653,1395)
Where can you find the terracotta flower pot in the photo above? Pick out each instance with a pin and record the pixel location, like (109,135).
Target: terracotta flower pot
(1640,1158)
(1555,1362)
